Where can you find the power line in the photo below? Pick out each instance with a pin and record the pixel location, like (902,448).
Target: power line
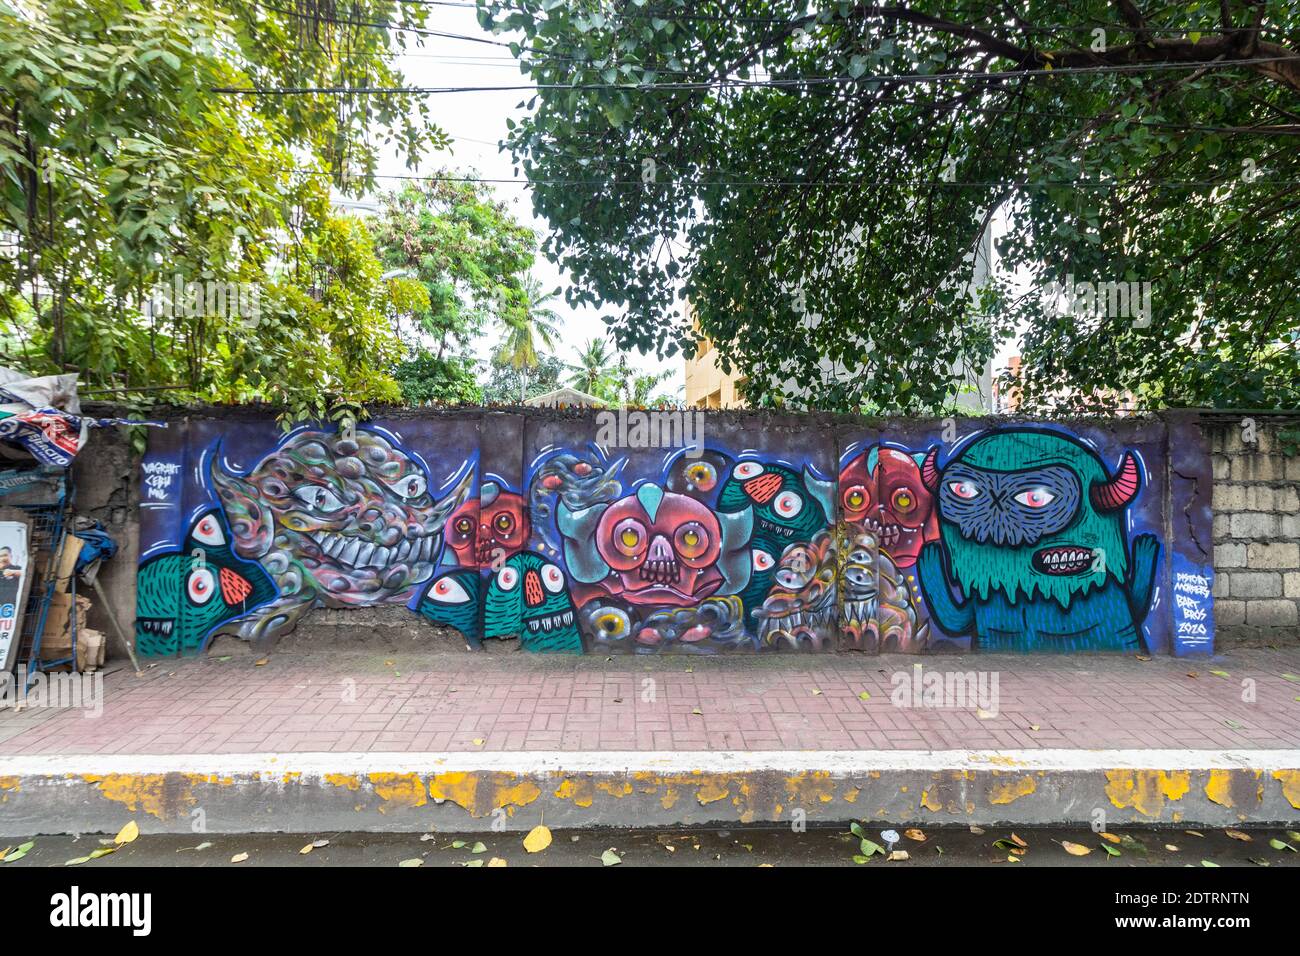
(850,183)
(896,78)
(878,14)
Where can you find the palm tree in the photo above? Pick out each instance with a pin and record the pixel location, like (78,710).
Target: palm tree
(592,372)
(525,323)
(639,389)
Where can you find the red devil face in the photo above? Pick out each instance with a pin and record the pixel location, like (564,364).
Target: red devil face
(857,491)
(664,557)
(482,533)
(906,509)
(891,501)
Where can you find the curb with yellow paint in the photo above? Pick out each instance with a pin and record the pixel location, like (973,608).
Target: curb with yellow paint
(404,792)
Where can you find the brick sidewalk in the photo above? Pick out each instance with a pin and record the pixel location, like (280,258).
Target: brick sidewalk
(482,703)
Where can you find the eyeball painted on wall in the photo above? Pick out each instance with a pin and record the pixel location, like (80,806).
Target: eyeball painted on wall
(453,600)
(529,596)
(698,477)
(183,596)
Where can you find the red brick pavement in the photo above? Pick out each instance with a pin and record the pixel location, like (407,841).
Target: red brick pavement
(476,703)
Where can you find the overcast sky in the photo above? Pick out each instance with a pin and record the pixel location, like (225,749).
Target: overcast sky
(477,123)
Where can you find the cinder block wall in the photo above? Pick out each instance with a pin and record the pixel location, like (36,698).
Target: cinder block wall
(1256,526)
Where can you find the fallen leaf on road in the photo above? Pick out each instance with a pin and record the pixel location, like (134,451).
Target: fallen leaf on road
(1195,833)
(478,741)
(915,834)
(1075,849)
(262,663)
(1238,835)
(239,858)
(978,831)
(1110,850)
(816,692)
(1110,837)
(478,848)
(1281,845)
(497,861)
(1208,863)
(610,858)
(128,833)
(414,861)
(538,839)
(1220,673)
(864,696)
(11,855)
(1171,848)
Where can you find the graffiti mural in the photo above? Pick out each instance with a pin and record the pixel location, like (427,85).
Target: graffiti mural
(1035,545)
(1004,538)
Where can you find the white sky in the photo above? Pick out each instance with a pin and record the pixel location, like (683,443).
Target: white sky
(477,122)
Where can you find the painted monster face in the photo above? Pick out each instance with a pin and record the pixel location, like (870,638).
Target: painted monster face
(529,596)
(906,508)
(788,506)
(452,599)
(349,518)
(657,547)
(1032,511)
(881,489)
(857,491)
(183,596)
(481,532)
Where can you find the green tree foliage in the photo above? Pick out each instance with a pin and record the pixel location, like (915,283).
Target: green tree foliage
(528,321)
(503,383)
(816,182)
(427,379)
(123,170)
(464,247)
(595,371)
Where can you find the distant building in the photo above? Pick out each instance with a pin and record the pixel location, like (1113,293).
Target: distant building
(707,386)
(566,397)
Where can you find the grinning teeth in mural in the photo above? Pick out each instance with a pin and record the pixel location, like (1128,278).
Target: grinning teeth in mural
(1033,535)
(528,596)
(183,597)
(335,520)
(1015,538)
(800,610)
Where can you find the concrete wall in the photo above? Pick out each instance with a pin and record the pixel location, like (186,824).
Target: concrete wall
(893,583)
(1256,525)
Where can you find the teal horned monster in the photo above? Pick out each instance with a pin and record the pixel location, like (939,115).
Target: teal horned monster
(1032,533)
(528,596)
(452,599)
(183,597)
(789,508)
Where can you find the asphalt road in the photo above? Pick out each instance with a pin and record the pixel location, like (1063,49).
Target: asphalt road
(740,846)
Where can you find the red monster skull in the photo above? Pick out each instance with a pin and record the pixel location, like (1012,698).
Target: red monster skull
(857,491)
(891,501)
(663,547)
(497,527)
